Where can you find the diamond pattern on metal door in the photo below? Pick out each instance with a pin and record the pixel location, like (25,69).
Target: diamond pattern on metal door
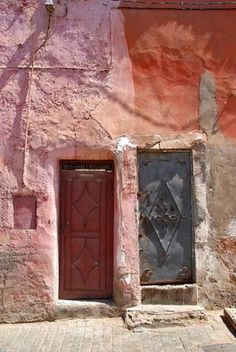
(165,236)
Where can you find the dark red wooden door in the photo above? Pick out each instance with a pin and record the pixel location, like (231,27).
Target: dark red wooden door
(86,233)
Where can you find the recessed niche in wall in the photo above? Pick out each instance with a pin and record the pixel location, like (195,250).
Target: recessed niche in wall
(24,212)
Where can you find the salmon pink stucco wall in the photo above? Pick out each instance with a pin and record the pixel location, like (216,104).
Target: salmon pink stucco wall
(169,51)
(96,81)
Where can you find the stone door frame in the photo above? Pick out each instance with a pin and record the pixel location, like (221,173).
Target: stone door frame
(196,144)
(123,152)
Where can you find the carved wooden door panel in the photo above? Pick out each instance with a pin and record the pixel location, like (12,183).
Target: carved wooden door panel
(165,205)
(86,230)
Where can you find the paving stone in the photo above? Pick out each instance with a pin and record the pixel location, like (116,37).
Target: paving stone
(226,347)
(110,335)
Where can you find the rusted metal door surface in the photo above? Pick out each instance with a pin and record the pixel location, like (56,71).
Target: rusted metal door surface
(86,230)
(165,235)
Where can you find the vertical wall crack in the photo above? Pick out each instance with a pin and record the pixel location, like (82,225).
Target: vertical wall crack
(29,96)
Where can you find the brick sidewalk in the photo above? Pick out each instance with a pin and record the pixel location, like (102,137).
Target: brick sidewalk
(95,335)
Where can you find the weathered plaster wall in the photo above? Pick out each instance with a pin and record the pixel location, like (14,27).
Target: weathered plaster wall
(183,71)
(73,88)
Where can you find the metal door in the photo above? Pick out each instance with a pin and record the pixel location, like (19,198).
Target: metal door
(86,230)
(165,236)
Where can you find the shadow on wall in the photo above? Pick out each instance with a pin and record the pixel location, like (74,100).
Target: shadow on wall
(16,76)
(169,51)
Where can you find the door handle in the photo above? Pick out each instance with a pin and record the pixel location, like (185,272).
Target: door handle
(65,228)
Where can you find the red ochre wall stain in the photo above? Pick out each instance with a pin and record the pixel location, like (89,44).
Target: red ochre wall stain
(226,248)
(169,50)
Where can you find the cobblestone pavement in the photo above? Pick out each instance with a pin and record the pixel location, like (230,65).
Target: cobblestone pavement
(96,335)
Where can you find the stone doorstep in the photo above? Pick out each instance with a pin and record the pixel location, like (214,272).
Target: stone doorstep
(230,316)
(169,294)
(143,315)
(67,309)
(163,315)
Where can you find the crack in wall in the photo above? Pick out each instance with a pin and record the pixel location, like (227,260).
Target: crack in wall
(29,97)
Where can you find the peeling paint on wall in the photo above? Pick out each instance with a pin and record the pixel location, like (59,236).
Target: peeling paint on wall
(106,82)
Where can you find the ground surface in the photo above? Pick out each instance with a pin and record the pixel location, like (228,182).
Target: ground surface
(94,335)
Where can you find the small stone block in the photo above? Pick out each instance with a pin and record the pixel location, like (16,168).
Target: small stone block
(230,316)
(24,212)
(170,294)
(190,294)
(176,295)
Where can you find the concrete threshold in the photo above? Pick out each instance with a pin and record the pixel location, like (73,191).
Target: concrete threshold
(67,309)
(153,315)
(169,294)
